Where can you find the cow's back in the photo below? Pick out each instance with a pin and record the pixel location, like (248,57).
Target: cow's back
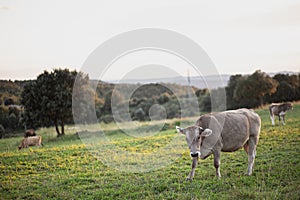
(273,108)
(232,127)
(34,140)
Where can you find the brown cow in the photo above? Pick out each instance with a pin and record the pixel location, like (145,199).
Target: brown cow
(279,109)
(31,141)
(224,131)
(29,133)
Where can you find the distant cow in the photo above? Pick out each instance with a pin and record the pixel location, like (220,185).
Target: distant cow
(279,109)
(224,131)
(29,133)
(31,141)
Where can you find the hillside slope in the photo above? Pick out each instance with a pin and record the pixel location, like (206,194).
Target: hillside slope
(65,169)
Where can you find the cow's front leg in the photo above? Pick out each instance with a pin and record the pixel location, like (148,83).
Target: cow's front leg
(192,173)
(281,115)
(217,156)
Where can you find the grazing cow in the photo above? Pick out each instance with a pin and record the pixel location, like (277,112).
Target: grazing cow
(224,131)
(279,109)
(29,133)
(31,141)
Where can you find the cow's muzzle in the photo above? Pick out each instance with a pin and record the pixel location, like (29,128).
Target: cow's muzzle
(195,154)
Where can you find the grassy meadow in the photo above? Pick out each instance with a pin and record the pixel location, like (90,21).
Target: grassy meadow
(65,169)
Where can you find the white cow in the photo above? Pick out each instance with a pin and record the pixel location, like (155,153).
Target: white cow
(31,141)
(241,128)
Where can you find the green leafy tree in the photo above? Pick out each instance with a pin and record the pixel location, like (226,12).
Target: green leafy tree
(2,131)
(287,90)
(106,109)
(163,98)
(13,121)
(83,101)
(232,103)
(139,114)
(205,103)
(252,89)
(48,100)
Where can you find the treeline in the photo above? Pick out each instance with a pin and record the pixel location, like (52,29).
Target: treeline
(10,109)
(140,98)
(47,101)
(255,90)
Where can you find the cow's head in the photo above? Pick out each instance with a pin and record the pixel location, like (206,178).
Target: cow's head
(289,106)
(194,136)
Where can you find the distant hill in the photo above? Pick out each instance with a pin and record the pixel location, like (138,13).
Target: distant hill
(282,72)
(211,82)
(201,82)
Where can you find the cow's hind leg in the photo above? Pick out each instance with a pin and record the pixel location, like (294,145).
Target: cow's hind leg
(217,157)
(272,119)
(252,142)
(279,118)
(283,119)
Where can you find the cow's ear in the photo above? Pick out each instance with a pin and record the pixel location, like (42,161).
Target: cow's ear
(206,132)
(179,130)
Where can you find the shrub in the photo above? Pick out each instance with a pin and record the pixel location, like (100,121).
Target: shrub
(8,101)
(13,121)
(164,98)
(139,114)
(107,119)
(2,131)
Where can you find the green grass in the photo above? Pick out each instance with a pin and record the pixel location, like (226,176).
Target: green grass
(65,169)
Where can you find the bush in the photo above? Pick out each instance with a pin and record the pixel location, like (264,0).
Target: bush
(107,119)
(205,103)
(13,121)
(166,126)
(2,131)
(8,101)
(164,98)
(139,114)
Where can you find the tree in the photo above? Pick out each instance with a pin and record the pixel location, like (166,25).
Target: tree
(232,103)
(287,90)
(30,99)
(8,101)
(252,89)
(163,98)
(106,109)
(83,100)
(48,100)
(2,131)
(139,114)
(205,103)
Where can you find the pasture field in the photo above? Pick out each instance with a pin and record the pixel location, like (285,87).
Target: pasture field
(64,169)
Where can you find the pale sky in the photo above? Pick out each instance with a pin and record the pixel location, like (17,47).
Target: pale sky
(239,36)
